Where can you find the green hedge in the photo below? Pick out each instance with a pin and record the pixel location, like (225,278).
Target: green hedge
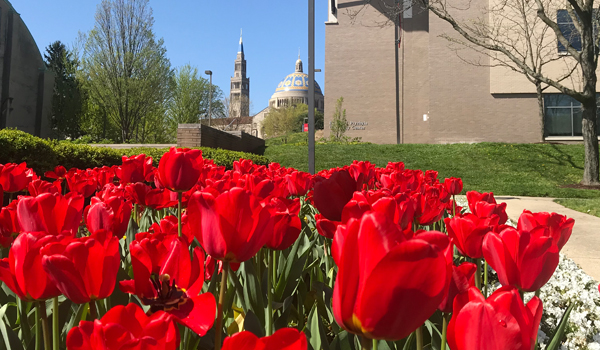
(43,155)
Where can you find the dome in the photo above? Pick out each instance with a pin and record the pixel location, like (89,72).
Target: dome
(296,81)
(293,90)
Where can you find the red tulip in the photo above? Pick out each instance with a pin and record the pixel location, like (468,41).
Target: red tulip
(331,195)
(83,182)
(179,169)
(522,259)
(554,225)
(15,177)
(244,166)
(387,285)
(463,277)
(146,196)
(232,226)
(501,322)
(58,173)
(51,213)
(326,228)
(9,224)
(112,214)
(468,231)
(22,271)
(286,223)
(429,207)
(135,169)
(104,176)
(84,269)
(125,327)
(298,183)
(176,287)
(453,185)
(282,339)
(39,186)
(484,206)
(209,267)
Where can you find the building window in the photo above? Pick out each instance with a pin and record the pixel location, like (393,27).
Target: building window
(563,116)
(332,18)
(567,28)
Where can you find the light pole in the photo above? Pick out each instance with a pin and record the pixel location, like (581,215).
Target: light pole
(311,86)
(209,72)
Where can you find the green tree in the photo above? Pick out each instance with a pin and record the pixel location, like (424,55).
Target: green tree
(319,119)
(190,96)
(339,124)
(68,96)
(282,121)
(126,68)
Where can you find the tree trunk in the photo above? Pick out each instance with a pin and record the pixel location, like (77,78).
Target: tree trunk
(588,103)
(590,141)
(540,97)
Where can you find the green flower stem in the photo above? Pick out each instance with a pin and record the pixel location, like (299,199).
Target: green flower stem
(270,294)
(445,317)
(274,272)
(93,310)
(375,344)
(327,266)
(478,274)
(55,330)
(485,279)
(179,200)
(219,323)
(136,217)
(365,343)
(38,335)
(45,327)
(453,206)
(419,335)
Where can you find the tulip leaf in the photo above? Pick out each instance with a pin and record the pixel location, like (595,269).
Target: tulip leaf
(253,325)
(9,337)
(345,341)
(560,330)
(78,313)
(316,331)
(292,271)
(253,295)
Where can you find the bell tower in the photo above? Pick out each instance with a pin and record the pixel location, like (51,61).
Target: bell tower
(239,97)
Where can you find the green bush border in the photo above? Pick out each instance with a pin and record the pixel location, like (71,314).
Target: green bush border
(42,155)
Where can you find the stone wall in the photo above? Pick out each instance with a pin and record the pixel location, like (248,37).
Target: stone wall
(198,135)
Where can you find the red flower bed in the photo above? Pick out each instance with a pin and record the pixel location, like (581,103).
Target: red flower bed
(265,257)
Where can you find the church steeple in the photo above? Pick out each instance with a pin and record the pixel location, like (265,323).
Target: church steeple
(239,96)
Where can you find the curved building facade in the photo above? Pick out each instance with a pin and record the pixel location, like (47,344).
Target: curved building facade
(293,90)
(26,84)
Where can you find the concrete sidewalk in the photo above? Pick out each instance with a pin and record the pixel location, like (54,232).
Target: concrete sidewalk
(583,246)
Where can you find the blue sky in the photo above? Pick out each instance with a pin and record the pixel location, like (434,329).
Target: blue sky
(205,33)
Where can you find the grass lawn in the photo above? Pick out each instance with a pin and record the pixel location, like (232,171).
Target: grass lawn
(505,169)
(589,206)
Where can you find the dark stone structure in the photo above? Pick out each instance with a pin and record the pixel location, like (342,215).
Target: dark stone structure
(198,135)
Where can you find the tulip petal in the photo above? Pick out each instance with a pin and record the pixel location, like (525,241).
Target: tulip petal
(64,274)
(423,273)
(197,313)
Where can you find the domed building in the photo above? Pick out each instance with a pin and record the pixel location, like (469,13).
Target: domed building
(293,90)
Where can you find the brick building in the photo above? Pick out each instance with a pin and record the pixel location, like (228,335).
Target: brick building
(441,99)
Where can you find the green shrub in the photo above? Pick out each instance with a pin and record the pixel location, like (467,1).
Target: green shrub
(43,155)
(72,155)
(220,156)
(18,146)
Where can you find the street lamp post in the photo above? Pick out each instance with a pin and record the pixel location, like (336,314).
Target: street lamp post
(311,86)
(209,72)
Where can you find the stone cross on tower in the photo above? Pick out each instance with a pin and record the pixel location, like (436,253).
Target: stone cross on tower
(239,97)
